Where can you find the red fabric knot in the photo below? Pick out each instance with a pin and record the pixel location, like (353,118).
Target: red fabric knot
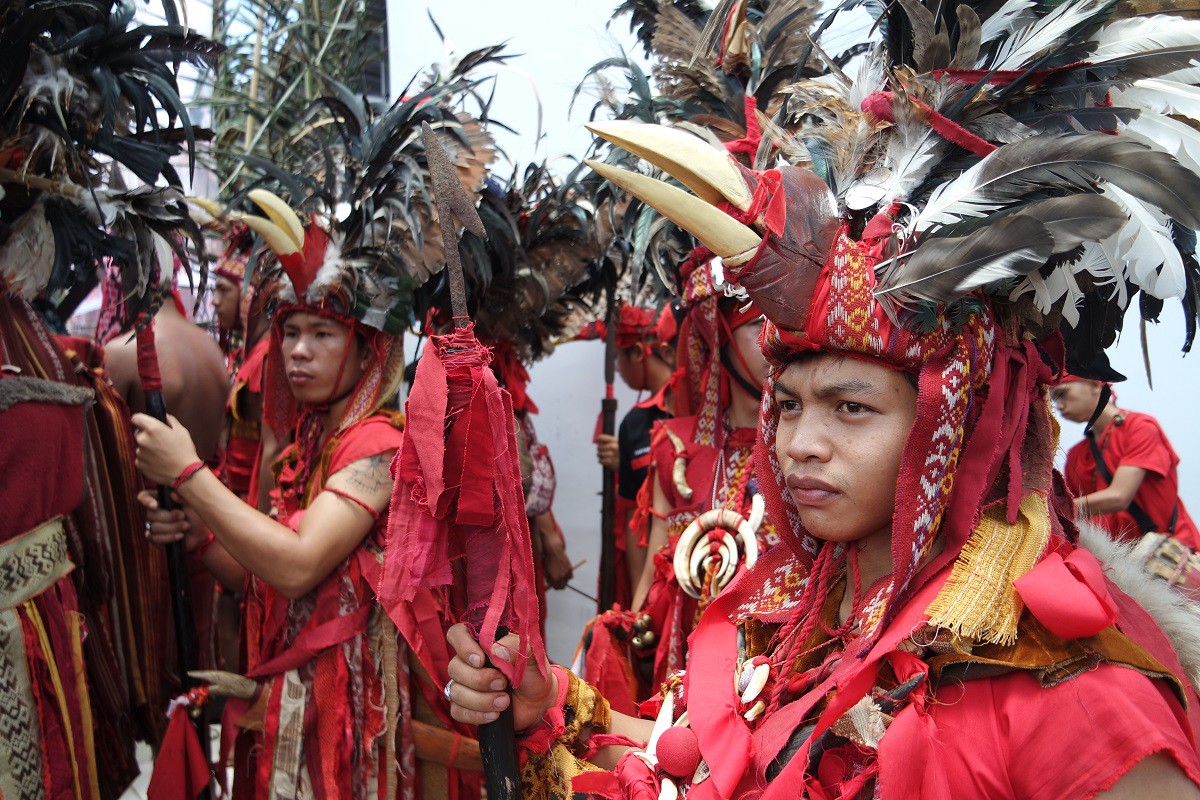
(1069,595)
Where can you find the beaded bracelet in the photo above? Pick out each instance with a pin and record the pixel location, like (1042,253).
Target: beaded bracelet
(188,473)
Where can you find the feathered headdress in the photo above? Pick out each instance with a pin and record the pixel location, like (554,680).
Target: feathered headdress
(968,198)
(86,94)
(360,232)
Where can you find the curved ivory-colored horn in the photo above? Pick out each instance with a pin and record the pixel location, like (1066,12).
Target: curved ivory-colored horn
(679,469)
(279,213)
(280,242)
(213,207)
(715,229)
(683,552)
(749,543)
(204,212)
(710,173)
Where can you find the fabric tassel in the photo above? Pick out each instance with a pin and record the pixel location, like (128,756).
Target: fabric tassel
(979,601)
(181,769)
(458,493)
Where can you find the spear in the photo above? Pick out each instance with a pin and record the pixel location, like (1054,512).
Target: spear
(458,487)
(186,640)
(608,425)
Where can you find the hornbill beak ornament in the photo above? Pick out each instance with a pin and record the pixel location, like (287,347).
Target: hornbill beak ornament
(790,207)
(713,176)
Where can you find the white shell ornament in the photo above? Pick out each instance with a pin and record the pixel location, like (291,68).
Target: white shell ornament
(695,555)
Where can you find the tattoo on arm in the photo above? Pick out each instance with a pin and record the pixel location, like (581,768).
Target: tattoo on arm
(368,479)
(367,475)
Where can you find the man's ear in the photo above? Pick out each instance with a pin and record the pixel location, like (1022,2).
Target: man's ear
(668,354)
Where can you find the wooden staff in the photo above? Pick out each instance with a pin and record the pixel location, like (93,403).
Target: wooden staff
(608,487)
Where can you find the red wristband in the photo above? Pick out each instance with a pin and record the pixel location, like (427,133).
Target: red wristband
(188,473)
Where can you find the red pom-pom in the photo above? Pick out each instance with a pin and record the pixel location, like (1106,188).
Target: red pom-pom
(678,752)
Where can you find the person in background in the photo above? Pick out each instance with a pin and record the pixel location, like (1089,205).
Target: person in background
(1124,475)
(645,361)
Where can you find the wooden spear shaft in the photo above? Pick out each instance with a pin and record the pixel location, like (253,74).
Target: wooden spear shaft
(497,740)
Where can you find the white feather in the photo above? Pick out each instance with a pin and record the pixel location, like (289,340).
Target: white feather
(912,151)
(1164,133)
(27,255)
(1161,97)
(852,28)
(1064,282)
(1125,37)
(1145,244)
(1011,16)
(329,273)
(1026,44)
(952,200)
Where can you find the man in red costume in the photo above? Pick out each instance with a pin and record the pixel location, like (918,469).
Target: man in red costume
(934,623)
(1137,490)
(645,361)
(715,445)
(338,686)
(243,323)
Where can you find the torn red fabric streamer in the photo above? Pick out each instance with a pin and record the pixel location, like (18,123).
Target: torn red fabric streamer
(458,494)
(180,770)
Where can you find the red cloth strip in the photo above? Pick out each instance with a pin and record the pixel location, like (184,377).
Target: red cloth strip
(147,360)
(880,105)
(312,641)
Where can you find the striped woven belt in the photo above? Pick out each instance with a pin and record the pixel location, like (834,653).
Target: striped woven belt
(32,562)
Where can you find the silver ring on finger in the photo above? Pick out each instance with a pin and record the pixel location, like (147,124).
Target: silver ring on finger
(446,690)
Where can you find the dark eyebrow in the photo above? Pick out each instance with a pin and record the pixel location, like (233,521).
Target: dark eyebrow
(849,386)
(781,388)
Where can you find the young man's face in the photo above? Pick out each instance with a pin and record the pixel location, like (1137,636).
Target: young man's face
(1076,400)
(631,366)
(843,423)
(225,298)
(314,348)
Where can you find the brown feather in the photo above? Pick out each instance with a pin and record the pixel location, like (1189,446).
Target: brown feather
(969,36)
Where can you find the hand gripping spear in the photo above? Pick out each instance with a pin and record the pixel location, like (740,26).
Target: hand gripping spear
(458,488)
(186,643)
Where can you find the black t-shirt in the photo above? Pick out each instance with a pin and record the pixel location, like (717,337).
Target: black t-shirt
(633,439)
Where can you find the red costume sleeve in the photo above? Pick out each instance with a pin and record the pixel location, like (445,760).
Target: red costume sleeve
(1011,737)
(1140,442)
(372,436)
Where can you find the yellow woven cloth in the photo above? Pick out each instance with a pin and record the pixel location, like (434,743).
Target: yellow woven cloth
(979,600)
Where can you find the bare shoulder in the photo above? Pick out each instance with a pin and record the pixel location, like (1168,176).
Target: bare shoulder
(367,479)
(1157,775)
